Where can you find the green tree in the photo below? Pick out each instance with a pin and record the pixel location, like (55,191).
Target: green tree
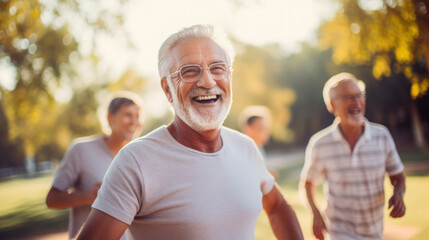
(256,70)
(37,53)
(306,73)
(11,150)
(80,115)
(393,38)
(37,45)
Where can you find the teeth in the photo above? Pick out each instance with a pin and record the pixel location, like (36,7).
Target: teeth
(208,97)
(354,111)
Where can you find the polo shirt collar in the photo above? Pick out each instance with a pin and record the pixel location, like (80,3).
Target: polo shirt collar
(336,133)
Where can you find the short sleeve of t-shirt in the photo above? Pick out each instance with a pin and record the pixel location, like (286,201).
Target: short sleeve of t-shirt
(393,161)
(313,168)
(68,172)
(121,192)
(267,180)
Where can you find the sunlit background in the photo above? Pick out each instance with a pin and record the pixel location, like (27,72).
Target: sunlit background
(60,59)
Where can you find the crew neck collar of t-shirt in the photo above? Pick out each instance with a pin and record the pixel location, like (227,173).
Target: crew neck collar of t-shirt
(175,142)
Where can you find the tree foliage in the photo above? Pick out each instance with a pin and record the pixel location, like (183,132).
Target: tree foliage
(393,38)
(306,73)
(38,54)
(39,43)
(254,83)
(12,154)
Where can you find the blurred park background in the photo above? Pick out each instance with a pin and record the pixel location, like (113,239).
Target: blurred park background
(59,59)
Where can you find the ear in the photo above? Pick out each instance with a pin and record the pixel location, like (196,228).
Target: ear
(166,89)
(109,119)
(333,108)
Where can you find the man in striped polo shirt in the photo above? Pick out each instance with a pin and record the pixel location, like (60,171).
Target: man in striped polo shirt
(352,156)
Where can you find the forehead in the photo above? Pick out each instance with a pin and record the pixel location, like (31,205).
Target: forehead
(128,107)
(259,122)
(197,51)
(347,86)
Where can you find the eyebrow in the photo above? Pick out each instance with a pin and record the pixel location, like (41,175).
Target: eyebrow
(191,63)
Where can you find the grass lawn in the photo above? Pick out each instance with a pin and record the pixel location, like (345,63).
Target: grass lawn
(413,226)
(23,211)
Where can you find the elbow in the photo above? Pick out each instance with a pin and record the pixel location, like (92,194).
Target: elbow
(48,202)
(52,200)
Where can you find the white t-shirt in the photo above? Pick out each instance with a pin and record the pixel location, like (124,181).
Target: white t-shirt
(165,190)
(84,165)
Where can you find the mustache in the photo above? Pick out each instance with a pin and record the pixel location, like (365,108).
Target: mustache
(204,91)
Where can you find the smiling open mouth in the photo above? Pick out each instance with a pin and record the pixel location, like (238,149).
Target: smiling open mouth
(206,98)
(354,111)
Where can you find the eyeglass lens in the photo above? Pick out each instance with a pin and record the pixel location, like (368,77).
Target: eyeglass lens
(192,73)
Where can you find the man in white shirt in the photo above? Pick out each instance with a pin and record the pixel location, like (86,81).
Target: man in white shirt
(352,156)
(192,179)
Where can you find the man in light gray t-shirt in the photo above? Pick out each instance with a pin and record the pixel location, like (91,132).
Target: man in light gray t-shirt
(185,193)
(192,179)
(82,169)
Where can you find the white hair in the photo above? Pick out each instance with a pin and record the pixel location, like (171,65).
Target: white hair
(196,31)
(332,83)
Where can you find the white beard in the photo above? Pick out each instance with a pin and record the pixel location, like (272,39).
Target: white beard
(202,119)
(356,120)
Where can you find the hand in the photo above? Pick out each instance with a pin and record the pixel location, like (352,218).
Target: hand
(397,202)
(319,227)
(93,192)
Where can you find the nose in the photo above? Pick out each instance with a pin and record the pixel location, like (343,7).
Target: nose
(206,80)
(135,121)
(358,99)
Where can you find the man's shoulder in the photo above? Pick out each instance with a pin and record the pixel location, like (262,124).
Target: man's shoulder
(88,140)
(157,135)
(229,133)
(323,136)
(379,128)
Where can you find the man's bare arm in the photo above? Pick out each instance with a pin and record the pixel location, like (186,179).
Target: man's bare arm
(283,220)
(397,199)
(59,200)
(319,227)
(102,226)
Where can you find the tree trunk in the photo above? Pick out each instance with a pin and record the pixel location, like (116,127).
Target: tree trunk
(421,9)
(417,126)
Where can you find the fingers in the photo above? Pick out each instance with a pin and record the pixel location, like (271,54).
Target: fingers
(390,203)
(318,232)
(398,209)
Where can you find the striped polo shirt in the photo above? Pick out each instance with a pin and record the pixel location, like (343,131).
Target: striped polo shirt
(354,180)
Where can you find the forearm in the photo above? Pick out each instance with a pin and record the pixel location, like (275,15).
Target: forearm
(57,199)
(398,182)
(284,222)
(309,192)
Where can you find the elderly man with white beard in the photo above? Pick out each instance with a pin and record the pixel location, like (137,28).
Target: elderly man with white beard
(353,156)
(192,179)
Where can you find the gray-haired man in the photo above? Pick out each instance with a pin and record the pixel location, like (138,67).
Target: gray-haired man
(192,179)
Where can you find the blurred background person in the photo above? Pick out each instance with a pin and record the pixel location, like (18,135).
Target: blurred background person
(83,167)
(353,156)
(255,122)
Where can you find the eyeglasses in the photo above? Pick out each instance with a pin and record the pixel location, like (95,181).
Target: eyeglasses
(352,97)
(192,72)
